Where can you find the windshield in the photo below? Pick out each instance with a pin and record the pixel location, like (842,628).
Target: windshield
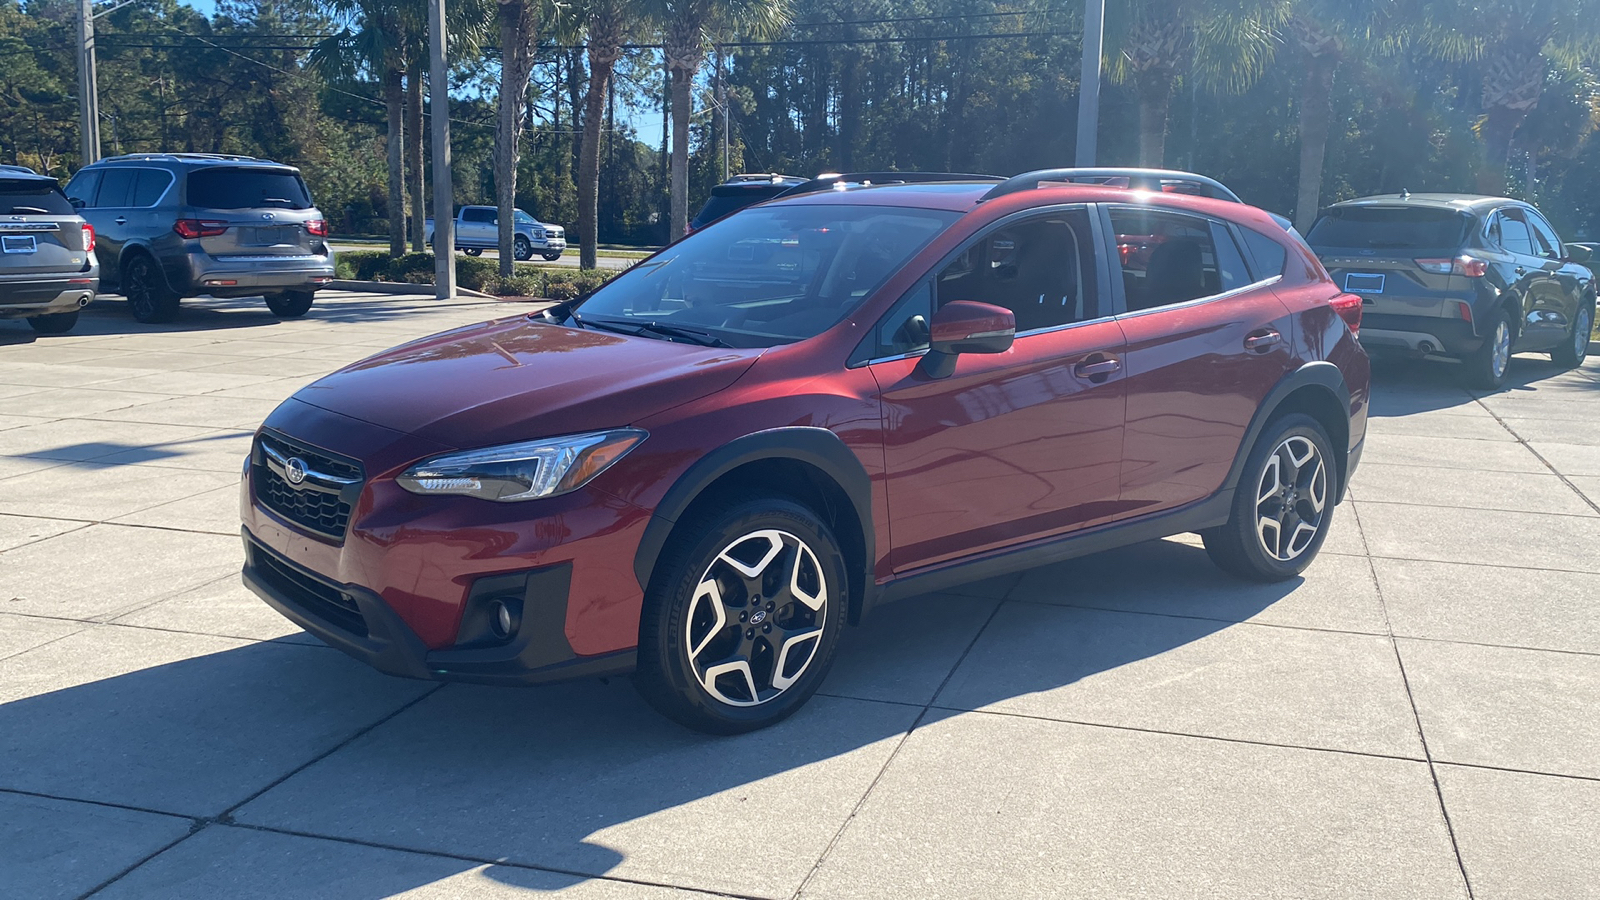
(768,276)
(525,219)
(247,189)
(33,196)
(1390,227)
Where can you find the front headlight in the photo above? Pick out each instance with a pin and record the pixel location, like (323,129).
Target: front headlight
(522,471)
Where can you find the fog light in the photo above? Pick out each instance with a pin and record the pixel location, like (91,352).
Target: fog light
(502,621)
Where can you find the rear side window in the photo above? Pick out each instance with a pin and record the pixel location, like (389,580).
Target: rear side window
(1170,258)
(149,186)
(1390,228)
(477,215)
(248,189)
(32,197)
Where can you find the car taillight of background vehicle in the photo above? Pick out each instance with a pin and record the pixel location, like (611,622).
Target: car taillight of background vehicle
(198,228)
(1348,306)
(317,228)
(1461,265)
(88,238)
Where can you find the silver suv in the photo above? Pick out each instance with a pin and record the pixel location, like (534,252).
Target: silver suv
(175,225)
(47,264)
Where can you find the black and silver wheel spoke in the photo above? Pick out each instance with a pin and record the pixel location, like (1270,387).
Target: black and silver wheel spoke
(756,618)
(1291,499)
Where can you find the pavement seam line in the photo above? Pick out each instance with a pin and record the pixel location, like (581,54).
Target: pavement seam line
(1539,456)
(195,827)
(1416,715)
(893,754)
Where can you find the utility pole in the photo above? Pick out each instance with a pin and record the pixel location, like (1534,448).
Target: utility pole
(444,232)
(1094,35)
(88,95)
(722,107)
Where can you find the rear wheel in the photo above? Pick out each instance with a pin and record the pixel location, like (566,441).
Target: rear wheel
(743,617)
(551,255)
(290,304)
(473,251)
(1486,367)
(55,323)
(522,248)
(1283,505)
(1575,350)
(149,298)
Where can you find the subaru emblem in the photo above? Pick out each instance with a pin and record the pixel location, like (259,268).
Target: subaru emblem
(295,470)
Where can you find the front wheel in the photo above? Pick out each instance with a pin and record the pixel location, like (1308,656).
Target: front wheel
(472,251)
(522,249)
(551,255)
(1486,367)
(1283,505)
(290,304)
(54,323)
(1575,350)
(743,617)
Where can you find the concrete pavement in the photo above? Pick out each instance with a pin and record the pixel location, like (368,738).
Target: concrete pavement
(1417,717)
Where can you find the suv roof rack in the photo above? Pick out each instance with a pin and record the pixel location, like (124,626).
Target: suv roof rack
(830,180)
(1135,179)
(222,157)
(763,178)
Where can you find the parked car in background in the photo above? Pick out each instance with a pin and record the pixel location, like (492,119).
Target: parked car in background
(176,225)
(739,192)
(48,269)
(478,229)
(1461,276)
(704,470)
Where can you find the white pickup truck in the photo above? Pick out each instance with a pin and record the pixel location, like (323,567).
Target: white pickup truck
(478,229)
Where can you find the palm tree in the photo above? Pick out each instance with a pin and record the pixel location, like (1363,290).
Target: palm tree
(686,28)
(1513,43)
(1324,32)
(519,30)
(1224,44)
(606,24)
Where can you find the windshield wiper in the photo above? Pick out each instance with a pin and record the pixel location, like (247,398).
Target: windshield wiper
(30,209)
(703,338)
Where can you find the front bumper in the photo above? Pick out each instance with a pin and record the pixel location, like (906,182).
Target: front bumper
(357,621)
(26,297)
(248,276)
(553,245)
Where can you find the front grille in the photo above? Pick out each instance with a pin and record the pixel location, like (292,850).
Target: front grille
(317,597)
(322,501)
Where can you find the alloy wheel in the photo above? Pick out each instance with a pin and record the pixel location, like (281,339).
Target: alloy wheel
(756,618)
(1291,499)
(1502,349)
(1580,336)
(138,290)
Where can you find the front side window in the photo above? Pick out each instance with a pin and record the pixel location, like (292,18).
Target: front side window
(1515,236)
(772,276)
(1549,245)
(81,189)
(1041,269)
(247,188)
(1170,258)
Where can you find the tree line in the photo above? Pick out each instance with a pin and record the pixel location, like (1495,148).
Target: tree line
(619,115)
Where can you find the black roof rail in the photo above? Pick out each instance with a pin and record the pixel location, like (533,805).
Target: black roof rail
(1137,179)
(827,181)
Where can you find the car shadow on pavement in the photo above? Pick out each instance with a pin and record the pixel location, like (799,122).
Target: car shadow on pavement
(1404,386)
(579,779)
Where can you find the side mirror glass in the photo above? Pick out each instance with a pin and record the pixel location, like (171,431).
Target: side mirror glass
(1579,253)
(77,202)
(964,326)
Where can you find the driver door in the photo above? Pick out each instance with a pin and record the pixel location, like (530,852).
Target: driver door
(1013,446)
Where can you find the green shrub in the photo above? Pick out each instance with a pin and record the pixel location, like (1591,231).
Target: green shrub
(561,291)
(476,273)
(361,265)
(558,283)
(519,286)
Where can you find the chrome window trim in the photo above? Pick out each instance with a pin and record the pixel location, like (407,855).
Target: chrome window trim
(1225,295)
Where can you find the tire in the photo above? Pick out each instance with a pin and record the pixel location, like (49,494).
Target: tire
(473,251)
(1486,367)
(290,304)
(522,249)
(758,547)
(55,323)
(1575,349)
(1288,470)
(149,298)
(552,256)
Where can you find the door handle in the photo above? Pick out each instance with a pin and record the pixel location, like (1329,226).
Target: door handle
(1261,341)
(1099,370)
(121,220)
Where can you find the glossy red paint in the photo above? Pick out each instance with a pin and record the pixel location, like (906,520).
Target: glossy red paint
(1067,431)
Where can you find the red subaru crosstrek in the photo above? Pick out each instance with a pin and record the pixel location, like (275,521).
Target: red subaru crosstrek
(702,472)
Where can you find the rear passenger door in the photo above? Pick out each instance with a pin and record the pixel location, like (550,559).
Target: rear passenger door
(1207,340)
(1013,446)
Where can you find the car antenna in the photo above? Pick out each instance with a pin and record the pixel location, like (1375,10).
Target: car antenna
(1405,193)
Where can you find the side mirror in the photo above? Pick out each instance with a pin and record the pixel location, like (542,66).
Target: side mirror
(963,326)
(1578,253)
(77,202)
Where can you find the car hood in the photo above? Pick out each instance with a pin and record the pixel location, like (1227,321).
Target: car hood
(517,379)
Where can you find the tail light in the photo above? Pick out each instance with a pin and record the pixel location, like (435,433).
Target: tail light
(1348,306)
(88,238)
(198,228)
(317,228)
(1469,266)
